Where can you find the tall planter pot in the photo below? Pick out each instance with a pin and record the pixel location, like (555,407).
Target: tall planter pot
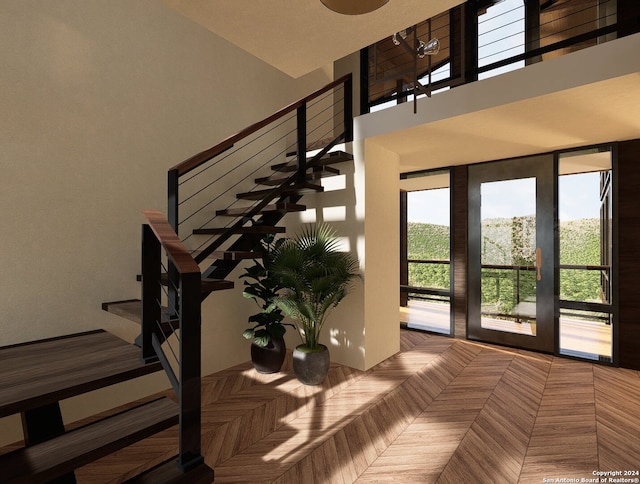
(311,366)
(269,359)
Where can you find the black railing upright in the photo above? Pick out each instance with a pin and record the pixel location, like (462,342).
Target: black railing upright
(178,351)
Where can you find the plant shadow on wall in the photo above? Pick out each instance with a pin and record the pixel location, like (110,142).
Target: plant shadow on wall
(314,276)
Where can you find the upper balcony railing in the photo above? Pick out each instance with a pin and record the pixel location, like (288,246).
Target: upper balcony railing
(483,38)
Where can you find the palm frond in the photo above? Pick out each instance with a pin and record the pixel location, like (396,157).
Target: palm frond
(316,276)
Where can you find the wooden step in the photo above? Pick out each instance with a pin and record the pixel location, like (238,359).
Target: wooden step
(235,255)
(298,189)
(44,372)
(131,309)
(276,207)
(313,146)
(316,174)
(169,473)
(59,456)
(255,229)
(207,285)
(328,159)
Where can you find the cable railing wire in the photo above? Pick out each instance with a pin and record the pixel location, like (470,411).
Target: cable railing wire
(229,189)
(237,166)
(274,157)
(285,120)
(390,65)
(252,154)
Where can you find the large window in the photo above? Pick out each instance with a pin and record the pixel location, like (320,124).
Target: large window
(426,278)
(501,35)
(585,232)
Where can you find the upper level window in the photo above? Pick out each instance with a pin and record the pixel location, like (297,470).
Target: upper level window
(501,35)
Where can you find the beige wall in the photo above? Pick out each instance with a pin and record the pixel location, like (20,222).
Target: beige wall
(98,100)
(344,330)
(382,251)
(362,204)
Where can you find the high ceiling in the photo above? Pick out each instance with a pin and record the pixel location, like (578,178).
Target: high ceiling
(299,36)
(583,98)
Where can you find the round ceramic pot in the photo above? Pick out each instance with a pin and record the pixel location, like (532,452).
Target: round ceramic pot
(269,359)
(311,367)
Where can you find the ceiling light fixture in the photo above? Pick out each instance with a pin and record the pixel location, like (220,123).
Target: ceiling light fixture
(353,7)
(430,48)
(417,49)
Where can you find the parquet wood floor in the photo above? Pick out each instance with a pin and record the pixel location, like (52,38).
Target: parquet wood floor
(440,411)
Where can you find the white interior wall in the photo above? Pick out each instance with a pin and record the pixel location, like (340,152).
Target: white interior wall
(98,100)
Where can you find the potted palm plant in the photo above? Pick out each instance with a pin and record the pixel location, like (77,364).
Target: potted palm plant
(314,276)
(268,348)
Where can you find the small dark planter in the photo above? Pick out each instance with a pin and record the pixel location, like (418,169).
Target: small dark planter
(270,358)
(311,367)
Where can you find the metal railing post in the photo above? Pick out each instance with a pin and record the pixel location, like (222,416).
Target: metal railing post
(151,291)
(348,109)
(302,142)
(172,218)
(190,368)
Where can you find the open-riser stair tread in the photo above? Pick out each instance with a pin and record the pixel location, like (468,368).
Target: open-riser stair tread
(235,255)
(207,284)
(58,456)
(317,173)
(297,189)
(329,159)
(47,371)
(132,310)
(253,230)
(275,207)
(246,242)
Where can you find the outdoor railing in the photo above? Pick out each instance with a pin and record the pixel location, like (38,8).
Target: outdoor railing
(512,284)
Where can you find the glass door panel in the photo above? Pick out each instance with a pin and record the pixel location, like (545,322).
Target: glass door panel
(585,194)
(508,256)
(511,253)
(425,279)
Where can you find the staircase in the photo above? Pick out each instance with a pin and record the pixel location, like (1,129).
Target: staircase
(36,376)
(175,279)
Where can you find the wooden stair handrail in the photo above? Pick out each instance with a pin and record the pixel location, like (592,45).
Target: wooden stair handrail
(156,235)
(176,251)
(204,156)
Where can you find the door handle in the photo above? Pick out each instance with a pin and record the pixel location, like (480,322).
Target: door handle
(538,264)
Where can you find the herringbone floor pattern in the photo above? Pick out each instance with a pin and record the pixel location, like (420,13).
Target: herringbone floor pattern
(442,410)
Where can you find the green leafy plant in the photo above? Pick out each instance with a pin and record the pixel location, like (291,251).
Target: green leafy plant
(262,286)
(315,276)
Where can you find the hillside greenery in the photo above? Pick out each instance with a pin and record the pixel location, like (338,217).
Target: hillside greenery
(579,245)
